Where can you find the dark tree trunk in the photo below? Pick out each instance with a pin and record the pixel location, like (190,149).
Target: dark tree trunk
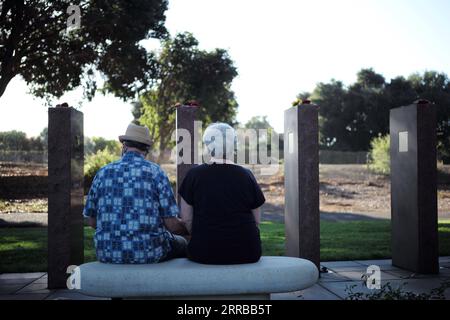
(11,58)
(4,81)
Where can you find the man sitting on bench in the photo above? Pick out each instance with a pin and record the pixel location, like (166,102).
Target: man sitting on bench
(132,207)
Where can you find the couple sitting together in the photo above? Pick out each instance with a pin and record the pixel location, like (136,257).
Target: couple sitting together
(137,220)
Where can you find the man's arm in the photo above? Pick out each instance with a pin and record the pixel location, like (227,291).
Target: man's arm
(168,207)
(90,208)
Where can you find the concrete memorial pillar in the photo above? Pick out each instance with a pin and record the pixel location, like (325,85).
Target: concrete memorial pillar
(301,182)
(187,151)
(414,187)
(65,197)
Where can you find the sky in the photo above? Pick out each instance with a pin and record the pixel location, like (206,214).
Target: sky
(280,48)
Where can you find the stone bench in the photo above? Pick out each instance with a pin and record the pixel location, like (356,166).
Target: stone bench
(184,279)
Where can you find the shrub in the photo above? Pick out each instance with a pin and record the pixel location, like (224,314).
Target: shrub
(92,145)
(379,155)
(388,292)
(95,162)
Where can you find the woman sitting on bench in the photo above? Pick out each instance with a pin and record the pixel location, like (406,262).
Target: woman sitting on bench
(220,204)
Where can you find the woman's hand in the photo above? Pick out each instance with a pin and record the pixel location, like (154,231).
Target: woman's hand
(187,214)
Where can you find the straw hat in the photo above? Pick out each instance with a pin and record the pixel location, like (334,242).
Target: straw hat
(137,133)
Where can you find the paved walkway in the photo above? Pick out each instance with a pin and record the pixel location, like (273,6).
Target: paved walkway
(20,219)
(23,219)
(270,213)
(331,286)
(345,274)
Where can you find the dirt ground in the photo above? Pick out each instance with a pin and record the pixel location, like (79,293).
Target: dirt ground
(347,192)
(8,169)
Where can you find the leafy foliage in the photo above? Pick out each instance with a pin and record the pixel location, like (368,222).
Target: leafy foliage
(95,144)
(261,123)
(379,155)
(35,45)
(18,141)
(187,73)
(388,292)
(258,122)
(350,117)
(95,162)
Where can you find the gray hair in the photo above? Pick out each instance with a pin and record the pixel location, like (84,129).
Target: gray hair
(220,139)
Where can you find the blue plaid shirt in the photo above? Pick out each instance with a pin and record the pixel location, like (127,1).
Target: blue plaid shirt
(129,198)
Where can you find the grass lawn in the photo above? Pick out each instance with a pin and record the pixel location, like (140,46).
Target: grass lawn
(25,249)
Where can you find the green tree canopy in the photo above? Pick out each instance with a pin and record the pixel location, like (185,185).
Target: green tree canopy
(333,118)
(258,122)
(95,144)
(187,73)
(18,141)
(350,117)
(34,44)
(13,140)
(43,136)
(367,108)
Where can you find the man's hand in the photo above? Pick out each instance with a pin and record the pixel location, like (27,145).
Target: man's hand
(92,222)
(176,226)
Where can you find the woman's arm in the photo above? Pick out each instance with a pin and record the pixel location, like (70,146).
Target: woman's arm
(187,214)
(257,214)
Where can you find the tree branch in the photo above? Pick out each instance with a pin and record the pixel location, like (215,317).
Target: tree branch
(11,58)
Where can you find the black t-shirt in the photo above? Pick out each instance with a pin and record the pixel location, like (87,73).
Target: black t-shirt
(223,227)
